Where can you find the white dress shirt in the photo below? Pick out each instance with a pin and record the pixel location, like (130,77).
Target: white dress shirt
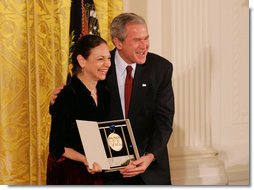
(121,75)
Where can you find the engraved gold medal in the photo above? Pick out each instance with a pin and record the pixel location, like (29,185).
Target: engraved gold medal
(115,142)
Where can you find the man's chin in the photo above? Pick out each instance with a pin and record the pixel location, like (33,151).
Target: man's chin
(141,60)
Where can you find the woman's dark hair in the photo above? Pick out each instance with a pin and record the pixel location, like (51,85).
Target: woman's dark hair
(83,47)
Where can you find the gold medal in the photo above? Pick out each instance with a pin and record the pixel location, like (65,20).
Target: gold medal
(115,141)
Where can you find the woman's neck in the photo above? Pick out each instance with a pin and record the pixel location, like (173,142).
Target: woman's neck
(90,85)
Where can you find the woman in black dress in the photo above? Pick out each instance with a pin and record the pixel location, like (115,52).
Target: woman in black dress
(84,98)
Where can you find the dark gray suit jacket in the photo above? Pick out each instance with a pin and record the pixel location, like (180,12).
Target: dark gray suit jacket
(151,112)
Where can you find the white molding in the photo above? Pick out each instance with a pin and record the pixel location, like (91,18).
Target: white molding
(194,167)
(238,175)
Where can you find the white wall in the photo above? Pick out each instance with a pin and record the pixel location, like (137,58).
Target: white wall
(207,42)
(230,54)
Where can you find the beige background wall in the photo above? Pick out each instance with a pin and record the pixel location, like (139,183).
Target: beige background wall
(208,43)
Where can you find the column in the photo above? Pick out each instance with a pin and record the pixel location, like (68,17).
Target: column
(193,160)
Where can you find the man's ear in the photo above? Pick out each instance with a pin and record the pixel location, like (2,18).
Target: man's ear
(117,43)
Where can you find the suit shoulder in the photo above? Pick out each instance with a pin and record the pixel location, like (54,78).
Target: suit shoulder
(156,59)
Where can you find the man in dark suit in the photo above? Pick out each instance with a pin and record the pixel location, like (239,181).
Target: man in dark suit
(151,108)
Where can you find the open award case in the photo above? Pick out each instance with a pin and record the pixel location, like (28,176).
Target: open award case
(111,143)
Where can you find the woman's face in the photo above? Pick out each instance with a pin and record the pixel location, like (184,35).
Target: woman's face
(97,64)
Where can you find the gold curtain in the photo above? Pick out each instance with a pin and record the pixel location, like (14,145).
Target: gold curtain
(106,10)
(34,42)
(34,50)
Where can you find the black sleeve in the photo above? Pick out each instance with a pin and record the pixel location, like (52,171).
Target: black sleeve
(164,112)
(61,122)
(51,107)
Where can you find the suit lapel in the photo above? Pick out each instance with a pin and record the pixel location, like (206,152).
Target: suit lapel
(136,93)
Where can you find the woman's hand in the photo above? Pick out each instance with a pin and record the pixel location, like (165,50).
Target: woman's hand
(74,155)
(96,168)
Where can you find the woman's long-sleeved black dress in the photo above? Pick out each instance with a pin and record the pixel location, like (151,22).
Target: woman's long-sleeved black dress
(73,102)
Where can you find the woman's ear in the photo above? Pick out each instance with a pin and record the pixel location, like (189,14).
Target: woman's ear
(81,61)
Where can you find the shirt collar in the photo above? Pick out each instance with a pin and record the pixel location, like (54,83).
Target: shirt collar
(121,64)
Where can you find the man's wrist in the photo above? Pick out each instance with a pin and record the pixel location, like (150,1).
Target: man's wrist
(150,155)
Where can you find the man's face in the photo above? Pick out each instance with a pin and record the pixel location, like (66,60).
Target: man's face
(135,46)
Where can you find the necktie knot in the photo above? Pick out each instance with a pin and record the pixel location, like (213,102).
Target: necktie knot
(129,70)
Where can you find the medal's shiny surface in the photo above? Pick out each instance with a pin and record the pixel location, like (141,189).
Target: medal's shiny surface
(115,142)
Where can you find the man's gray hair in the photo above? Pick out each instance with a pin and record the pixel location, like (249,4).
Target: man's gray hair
(117,28)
